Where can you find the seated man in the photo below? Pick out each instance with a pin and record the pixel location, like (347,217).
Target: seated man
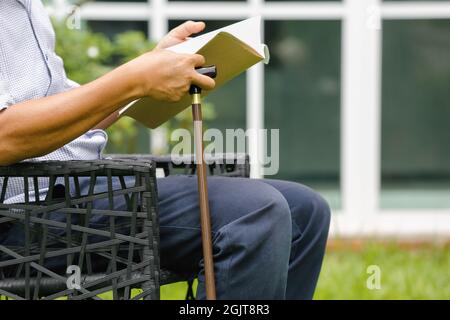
(269,236)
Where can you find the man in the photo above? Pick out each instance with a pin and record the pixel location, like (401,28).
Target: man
(269,236)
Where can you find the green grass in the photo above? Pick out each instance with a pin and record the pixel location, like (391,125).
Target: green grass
(413,273)
(175,291)
(417,273)
(421,272)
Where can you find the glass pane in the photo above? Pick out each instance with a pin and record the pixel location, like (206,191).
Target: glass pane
(228,105)
(302,99)
(112,28)
(416,113)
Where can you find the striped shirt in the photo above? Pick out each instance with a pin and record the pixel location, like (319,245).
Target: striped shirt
(30,69)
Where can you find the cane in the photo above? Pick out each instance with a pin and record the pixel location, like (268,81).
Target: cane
(205,218)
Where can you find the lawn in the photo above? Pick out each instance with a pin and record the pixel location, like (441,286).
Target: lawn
(407,272)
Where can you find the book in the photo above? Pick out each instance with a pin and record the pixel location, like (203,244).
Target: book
(232,49)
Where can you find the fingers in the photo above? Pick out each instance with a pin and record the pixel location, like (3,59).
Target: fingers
(188,28)
(198,60)
(203,82)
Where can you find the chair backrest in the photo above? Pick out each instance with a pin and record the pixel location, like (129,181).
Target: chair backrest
(226,164)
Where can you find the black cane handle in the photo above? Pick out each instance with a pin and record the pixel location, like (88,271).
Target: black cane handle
(209,71)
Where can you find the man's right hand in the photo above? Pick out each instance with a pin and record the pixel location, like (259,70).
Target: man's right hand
(165,75)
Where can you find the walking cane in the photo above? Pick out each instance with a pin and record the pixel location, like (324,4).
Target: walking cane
(205,218)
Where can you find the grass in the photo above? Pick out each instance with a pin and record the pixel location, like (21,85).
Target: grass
(414,272)
(407,272)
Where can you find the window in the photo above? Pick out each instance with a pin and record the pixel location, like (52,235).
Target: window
(302,99)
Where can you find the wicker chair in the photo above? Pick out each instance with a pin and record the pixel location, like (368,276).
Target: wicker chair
(119,259)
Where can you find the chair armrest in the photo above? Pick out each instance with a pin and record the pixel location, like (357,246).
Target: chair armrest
(61,226)
(117,166)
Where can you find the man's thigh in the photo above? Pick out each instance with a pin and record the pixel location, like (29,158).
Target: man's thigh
(230,199)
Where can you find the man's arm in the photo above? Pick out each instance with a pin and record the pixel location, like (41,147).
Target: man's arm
(109,121)
(37,127)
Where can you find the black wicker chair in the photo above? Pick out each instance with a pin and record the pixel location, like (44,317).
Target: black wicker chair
(125,251)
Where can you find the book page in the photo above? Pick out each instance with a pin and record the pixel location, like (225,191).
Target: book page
(248,31)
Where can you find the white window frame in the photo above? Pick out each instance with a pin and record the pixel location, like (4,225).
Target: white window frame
(361,95)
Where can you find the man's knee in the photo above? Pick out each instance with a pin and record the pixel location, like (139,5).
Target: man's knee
(261,230)
(311,210)
(277,214)
(322,210)
(252,208)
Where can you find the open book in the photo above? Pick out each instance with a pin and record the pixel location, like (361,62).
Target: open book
(232,49)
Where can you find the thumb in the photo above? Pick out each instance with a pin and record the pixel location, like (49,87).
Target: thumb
(188,28)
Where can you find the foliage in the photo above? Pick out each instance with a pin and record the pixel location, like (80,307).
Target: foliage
(88,55)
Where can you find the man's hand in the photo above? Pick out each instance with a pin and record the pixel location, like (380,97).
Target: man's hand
(166,75)
(180,34)
(163,88)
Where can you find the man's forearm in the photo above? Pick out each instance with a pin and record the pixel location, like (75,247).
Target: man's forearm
(37,127)
(110,120)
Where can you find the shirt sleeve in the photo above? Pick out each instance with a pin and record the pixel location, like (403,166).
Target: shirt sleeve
(6,99)
(70,84)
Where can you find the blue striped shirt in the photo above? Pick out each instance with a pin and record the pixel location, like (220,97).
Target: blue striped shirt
(30,69)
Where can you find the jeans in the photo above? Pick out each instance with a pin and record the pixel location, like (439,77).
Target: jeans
(269,236)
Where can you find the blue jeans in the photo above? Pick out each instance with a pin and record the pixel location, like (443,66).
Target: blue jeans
(269,236)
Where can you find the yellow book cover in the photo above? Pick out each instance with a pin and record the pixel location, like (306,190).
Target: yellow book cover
(232,49)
